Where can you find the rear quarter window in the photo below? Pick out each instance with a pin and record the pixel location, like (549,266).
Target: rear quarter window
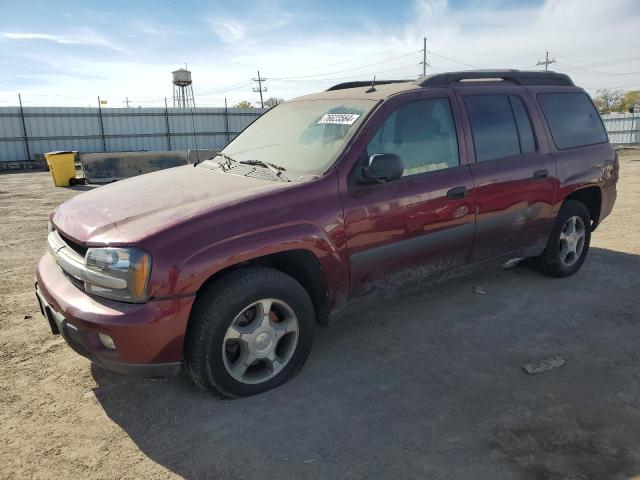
(572,119)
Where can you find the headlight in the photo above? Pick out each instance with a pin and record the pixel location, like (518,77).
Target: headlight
(120,273)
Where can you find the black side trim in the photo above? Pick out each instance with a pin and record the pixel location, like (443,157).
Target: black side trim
(424,243)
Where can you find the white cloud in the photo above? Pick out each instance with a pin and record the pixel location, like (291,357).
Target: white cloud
(229,31)
(86,37)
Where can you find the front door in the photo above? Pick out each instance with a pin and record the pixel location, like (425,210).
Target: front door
(418,226)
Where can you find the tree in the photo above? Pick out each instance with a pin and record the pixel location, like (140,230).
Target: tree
(272,102)
(631,98)
(608,100)
(243,104)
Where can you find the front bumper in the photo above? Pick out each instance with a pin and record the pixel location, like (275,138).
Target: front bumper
(149,337)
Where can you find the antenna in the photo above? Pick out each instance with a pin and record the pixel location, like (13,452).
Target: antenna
(372,88)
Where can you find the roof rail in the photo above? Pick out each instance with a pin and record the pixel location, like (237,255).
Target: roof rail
(364,83)
(521,77)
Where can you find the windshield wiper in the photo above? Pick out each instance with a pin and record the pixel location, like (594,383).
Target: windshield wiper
(227,158)
(275,169)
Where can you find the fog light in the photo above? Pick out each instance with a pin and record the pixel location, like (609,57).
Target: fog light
(106,341)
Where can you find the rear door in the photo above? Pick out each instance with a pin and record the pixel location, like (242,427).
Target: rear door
(422,224)
(513,170)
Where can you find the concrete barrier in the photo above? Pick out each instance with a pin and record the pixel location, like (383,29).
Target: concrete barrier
(201,154)
(109,167)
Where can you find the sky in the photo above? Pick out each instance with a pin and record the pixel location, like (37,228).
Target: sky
(69,52)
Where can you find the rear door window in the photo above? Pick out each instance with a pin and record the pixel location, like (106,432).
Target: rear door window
(572,118)
(493,126)
(525,132)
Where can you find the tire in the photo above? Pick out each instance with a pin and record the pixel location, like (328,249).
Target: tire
(227,327)
(551,260)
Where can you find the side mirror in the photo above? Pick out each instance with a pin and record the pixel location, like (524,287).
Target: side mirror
(382,168)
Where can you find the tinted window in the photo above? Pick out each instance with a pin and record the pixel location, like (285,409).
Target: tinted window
(493,126)
(572,119)
(527,141)
(422,133)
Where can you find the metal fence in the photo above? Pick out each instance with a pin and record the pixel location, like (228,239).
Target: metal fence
(29,131)
(623,128)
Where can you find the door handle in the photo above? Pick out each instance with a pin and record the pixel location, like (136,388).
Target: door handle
(457,193)
(540,174)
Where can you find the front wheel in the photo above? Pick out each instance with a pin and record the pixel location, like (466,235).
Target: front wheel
(250,331)
(569,240)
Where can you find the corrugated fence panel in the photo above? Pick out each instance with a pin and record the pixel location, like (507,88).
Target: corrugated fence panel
(134,129)
(124,129)
(11,130)
(623,128)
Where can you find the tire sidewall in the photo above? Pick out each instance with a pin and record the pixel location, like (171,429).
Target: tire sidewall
(291,293)
(569,209)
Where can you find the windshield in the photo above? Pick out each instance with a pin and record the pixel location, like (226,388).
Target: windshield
(301,137)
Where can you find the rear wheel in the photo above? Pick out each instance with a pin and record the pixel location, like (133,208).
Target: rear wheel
(569,240)
(250,331)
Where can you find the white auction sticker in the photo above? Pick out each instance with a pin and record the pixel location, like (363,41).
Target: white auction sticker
(339,118)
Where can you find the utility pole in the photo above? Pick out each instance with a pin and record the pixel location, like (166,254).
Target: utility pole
(546,62)
(259,80)
(24,128)
(126,101)
(101,123)
(424,56)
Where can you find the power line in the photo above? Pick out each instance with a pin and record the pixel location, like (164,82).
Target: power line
(337,79)
(453,60)
(489,54)
(609,62)
(585,71)
(348,69)
(358,58)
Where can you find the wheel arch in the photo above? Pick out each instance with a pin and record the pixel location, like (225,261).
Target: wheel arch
(590,197)
(300,264)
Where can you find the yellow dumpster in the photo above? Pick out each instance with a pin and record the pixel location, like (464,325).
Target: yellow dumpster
(62,166)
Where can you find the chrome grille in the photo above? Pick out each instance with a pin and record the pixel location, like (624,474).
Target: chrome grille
(72,263)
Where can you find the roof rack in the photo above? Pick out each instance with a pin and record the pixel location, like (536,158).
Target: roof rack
(364,83)
(520,77)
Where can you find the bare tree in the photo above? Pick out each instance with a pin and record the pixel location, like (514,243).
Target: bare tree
(272,102)
(608,100)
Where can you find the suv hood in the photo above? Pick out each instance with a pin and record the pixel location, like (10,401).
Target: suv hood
(132,209)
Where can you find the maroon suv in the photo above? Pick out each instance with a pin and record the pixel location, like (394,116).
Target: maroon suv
(227,266)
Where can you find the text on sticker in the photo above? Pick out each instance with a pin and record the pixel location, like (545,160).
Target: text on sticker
(339,118)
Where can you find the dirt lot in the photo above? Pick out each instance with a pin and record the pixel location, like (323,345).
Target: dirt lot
(427,386)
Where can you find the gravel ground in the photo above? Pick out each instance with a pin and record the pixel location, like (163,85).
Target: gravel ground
(429,385)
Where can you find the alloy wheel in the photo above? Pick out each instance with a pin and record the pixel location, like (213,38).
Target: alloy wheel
(572,239)
(260,341)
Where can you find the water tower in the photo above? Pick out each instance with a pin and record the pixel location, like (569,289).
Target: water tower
(183,89)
